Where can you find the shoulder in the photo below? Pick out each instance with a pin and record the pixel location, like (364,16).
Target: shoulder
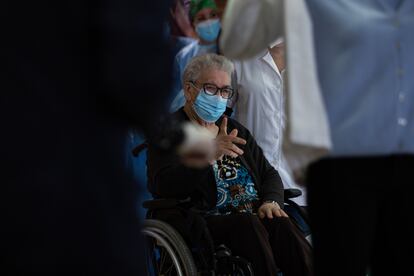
(188,51)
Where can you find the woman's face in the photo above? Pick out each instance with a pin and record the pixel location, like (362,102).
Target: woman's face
(205,14)
(217,77)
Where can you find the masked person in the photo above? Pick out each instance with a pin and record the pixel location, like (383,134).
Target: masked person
(240,193)
(71,86)
(206,22)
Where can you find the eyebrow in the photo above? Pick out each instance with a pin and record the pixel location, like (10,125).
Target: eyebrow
(225,86)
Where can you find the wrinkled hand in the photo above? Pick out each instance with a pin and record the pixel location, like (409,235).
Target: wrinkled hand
(271,209)
(226,143)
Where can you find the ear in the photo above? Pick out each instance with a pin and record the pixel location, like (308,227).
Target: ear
(187,92)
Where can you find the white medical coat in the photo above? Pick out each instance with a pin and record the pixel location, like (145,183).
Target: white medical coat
(259,106)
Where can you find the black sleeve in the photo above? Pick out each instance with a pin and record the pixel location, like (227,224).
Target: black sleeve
(271,185)
(168,178)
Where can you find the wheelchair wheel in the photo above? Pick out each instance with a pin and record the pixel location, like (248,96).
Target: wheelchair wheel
(166,252)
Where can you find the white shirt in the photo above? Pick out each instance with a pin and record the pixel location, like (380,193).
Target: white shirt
(259,106)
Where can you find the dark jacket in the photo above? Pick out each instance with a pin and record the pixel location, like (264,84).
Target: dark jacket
(168,178)
(76,75)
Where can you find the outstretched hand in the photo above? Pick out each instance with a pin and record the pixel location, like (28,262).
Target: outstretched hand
(226,143)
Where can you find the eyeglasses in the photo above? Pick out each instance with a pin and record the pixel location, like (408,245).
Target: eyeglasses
(212,89)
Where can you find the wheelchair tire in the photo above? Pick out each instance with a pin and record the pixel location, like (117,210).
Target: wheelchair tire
(166,247)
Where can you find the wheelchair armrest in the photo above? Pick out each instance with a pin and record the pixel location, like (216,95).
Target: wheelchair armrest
(163,203)
(292,193)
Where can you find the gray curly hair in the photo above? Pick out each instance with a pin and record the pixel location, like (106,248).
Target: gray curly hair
(201,63)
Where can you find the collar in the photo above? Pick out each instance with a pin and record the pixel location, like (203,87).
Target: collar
(267,57)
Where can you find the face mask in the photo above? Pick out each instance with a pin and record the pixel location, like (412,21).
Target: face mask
(208,30)
(209,108)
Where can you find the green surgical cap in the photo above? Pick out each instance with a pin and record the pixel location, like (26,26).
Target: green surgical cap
(198,5)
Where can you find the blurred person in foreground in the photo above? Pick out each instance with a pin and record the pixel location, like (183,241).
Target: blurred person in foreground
(75,78)
(360,192)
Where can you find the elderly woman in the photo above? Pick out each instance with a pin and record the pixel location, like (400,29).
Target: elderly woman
(240,193)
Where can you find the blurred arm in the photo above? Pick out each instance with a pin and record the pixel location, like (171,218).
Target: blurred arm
(249,26)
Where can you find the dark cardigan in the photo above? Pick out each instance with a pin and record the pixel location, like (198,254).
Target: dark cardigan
(168,178)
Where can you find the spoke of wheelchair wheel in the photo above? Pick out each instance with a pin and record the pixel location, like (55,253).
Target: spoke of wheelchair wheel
(162,259)
(163,269)
(169,269)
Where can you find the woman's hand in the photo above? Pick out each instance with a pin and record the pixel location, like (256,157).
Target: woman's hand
(270,209)
(225,143)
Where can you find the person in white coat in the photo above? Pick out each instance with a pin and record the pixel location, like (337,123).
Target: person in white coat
(260,107)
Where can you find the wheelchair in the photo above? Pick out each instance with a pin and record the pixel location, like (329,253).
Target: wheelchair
(167,252)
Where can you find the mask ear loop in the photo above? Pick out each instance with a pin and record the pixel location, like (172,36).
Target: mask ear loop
(192,83)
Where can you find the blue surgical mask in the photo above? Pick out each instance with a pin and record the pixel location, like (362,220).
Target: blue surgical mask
(208,30)
(209,108)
